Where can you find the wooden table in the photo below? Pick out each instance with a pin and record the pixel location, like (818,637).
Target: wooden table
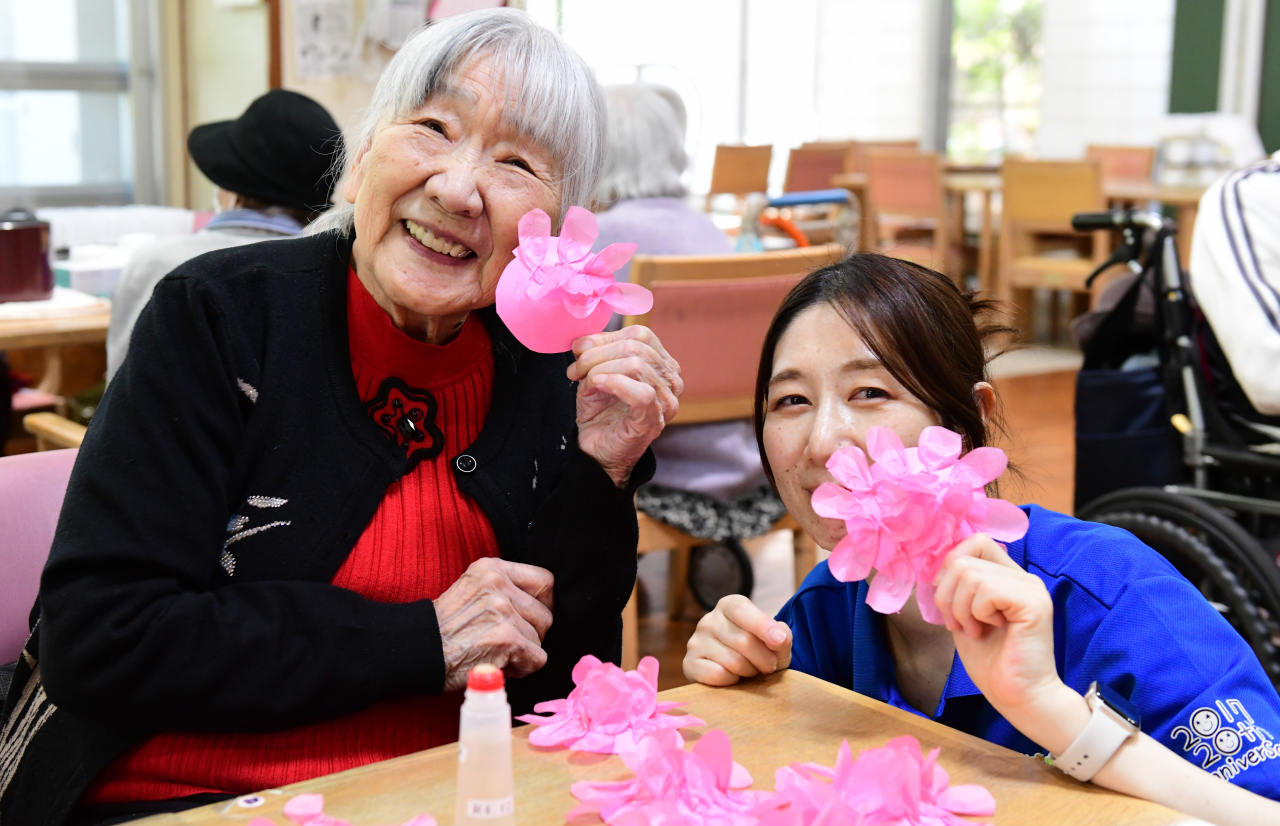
(1184,199)
(50,335)
(771,722)
(984,183)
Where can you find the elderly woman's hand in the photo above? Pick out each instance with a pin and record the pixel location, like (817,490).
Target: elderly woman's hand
(496,613)
(629,388)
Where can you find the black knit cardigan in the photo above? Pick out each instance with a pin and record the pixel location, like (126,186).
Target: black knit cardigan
(225,478)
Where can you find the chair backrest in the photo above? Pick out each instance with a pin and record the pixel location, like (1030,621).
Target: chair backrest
(1047,193)
(905,182)
(711,313)
(1123,163)
(740,170)
(32,486)
(811,167)
(865,147)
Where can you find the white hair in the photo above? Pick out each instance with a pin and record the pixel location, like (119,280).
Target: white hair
(558,102)
(646,144)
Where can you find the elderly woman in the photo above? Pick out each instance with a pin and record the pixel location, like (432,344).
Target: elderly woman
(327,481)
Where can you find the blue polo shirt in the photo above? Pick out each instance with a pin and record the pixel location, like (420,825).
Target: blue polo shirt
(1122,615)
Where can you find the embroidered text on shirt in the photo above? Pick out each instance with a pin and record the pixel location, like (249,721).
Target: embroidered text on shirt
(1219,735)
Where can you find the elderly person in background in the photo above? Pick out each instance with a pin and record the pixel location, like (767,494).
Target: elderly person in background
(640,192)
(270,169)
(328,481)
(709,476)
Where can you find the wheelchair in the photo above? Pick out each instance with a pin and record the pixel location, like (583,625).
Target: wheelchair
(1218,519)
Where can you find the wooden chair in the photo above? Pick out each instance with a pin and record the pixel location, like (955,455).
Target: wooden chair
(711,313)
(739,171)
(53,432)
(864,148)
(1038,247)
(811,166)
(1123,163)
(910,206)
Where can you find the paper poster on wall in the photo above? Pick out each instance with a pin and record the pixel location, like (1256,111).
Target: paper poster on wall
(390,22)
(323,35)
(441,9)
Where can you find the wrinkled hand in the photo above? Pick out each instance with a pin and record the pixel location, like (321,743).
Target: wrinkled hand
(496,613)
(1002,620)
(629,388)
(736,640)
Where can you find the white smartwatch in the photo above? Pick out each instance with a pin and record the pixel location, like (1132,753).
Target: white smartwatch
(1113,722)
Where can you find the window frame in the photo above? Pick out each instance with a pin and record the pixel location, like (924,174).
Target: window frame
(140,79)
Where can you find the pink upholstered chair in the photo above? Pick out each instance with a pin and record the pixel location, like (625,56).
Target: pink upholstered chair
(31,489)
(910,206)
(711,313)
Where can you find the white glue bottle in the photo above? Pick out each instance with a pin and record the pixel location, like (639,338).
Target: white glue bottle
(485,785)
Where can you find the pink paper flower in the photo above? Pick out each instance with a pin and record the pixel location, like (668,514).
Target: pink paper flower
(609,711)
(894,785)
(555,290)
(672,787)
(308,810)
(908,510)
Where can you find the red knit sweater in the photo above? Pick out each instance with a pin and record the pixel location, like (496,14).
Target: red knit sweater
(422,538)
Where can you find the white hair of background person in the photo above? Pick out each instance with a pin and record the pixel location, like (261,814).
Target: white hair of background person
(646,144)
(558,103)
(1235,275)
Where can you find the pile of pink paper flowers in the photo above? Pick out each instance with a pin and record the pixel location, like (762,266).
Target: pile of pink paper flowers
(608,711)
(895,785)
(905,512)
(672,787)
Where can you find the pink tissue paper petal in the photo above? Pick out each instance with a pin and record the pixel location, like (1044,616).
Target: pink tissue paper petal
(909,509)
(555,291)
(609,710)
(895,785)
(674,787)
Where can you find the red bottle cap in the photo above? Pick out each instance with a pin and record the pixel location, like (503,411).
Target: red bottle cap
(485,678)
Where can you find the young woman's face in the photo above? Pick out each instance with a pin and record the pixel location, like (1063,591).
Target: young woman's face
(826,390)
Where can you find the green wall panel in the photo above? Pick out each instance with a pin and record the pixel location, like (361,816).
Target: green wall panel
(1197,54)
(1269,101)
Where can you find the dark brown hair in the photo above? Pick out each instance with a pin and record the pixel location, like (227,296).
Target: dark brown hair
(928,334)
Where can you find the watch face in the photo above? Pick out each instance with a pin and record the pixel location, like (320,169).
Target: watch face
(1118,704)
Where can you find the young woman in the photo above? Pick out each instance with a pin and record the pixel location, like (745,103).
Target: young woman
(1029,629)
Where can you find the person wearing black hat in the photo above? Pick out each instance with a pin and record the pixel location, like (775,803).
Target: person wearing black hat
(270,168)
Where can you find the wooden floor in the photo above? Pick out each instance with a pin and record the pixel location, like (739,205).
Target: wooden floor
(1039,414)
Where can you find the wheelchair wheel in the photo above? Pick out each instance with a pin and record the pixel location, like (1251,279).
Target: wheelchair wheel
(717,570)
(1228,565)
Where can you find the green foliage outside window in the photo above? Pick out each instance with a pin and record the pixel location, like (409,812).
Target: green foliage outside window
(997,83)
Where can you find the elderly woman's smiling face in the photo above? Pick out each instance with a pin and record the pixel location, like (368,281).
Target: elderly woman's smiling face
(438,198)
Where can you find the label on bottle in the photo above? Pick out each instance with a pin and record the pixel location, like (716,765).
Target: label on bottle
(486,809)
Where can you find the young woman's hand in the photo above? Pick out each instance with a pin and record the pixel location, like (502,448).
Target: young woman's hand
(736,640)
(1001,617)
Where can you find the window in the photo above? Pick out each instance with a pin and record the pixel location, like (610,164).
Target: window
(76,103)
(995,101)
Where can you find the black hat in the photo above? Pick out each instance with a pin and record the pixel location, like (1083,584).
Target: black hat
(279,151)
